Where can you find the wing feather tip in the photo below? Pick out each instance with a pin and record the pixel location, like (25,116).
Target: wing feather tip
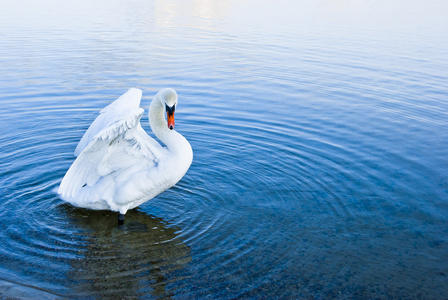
(136,91)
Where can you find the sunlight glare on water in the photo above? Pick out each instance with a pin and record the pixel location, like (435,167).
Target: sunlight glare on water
(319,132)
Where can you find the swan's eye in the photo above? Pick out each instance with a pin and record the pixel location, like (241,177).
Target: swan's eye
(170,109)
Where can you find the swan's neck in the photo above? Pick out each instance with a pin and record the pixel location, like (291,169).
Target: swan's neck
(174,141)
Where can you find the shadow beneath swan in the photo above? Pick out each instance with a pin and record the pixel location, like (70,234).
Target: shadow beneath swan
(136,259)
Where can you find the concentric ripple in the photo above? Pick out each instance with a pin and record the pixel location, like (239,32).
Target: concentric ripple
(319,139)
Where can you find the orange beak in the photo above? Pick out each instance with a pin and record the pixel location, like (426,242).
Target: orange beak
(170,120)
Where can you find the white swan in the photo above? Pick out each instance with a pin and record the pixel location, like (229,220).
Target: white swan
(118,165)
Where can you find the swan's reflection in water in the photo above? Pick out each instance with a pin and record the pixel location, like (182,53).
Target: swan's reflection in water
(136,259)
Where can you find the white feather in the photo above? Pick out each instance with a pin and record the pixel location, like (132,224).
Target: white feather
(118,165)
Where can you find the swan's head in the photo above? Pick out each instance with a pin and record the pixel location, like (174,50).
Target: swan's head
(168,97)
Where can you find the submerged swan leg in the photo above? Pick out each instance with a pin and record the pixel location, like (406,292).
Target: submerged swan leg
(120,219)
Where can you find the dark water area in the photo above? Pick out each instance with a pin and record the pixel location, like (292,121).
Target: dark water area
(320,137)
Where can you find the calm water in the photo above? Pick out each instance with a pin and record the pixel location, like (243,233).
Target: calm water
(320,133)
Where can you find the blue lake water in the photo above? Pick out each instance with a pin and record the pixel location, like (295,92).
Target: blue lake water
(319,131)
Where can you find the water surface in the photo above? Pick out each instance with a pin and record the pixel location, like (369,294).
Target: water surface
(319,132)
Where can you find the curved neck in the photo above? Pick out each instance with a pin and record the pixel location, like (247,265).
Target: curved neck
(174,141)
(157,118)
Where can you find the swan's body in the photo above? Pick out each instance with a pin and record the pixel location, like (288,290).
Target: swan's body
(118,165)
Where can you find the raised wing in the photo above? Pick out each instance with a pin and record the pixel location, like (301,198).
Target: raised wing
(115,113)
(115,141)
